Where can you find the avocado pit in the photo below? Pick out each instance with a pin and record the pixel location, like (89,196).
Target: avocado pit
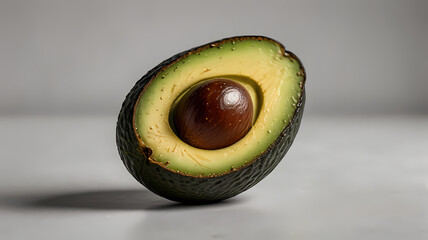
(213,114)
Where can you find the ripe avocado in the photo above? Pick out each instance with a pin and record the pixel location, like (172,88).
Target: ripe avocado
(160,160)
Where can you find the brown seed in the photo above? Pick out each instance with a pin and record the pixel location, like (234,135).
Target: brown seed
(228,106)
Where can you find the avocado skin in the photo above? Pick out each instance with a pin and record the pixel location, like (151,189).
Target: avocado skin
(191,189)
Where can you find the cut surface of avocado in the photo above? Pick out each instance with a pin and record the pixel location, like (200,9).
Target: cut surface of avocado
(273,78)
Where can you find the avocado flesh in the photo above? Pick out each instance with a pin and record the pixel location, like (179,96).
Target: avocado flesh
(270,76)
(155,176)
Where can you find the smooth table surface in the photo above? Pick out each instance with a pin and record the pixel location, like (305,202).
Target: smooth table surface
(344,178)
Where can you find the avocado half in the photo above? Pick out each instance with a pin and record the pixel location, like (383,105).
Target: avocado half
(166,165)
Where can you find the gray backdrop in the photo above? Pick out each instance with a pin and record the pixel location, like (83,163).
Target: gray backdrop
(73,57)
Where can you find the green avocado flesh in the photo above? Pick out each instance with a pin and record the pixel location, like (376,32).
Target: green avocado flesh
(271,78)
(157,158)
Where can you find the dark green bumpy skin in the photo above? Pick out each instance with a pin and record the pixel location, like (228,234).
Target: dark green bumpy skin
(189,189)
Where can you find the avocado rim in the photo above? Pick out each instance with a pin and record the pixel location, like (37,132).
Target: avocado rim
(163,181)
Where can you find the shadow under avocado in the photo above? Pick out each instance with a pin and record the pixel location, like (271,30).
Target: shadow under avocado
(139,199)
(110,199)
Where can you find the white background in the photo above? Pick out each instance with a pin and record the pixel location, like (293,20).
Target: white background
(358,168)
